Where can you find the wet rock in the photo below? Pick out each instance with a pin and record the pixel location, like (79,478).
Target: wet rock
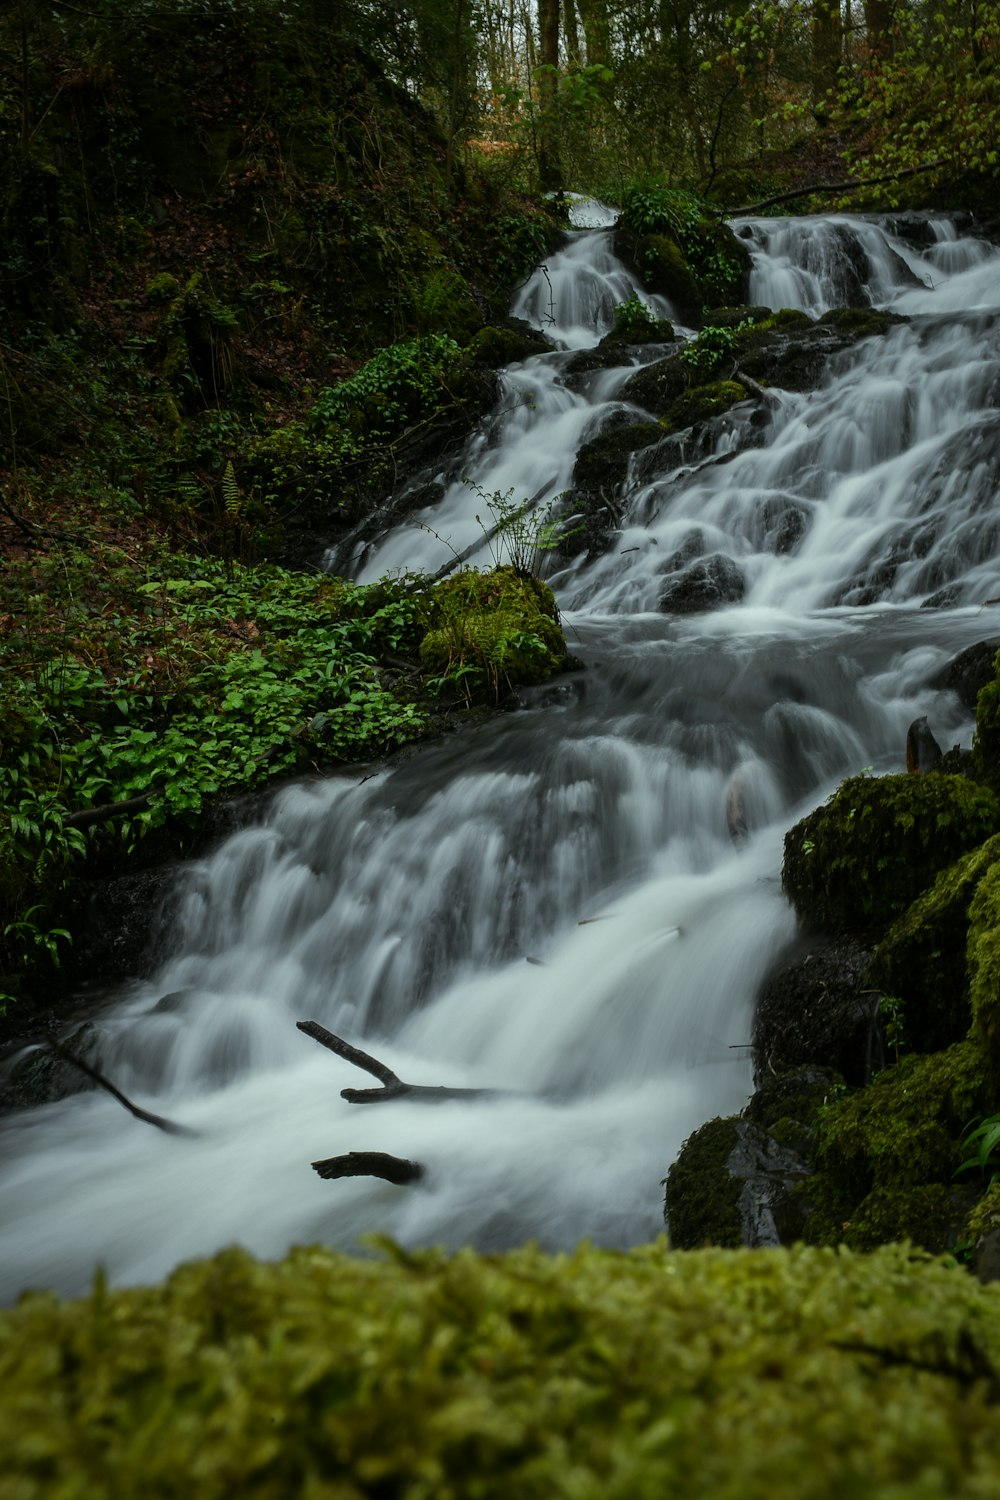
(593,506)
(970,671)
(780,525)
(127,923)
(819,1011)
(923,753)
(655,387)
(792,352)
(767,1174)
(705,585)
(39,1076)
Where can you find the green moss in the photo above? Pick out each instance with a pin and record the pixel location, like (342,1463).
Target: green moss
(863,322)
(985,1217)
(701,1203)
(983,953)
(704,401)
(922,958)
(497,347)
(857,862)
(986,742)
(666,272)
(594,1375)
(879,1149)
(489,631)
(931,1215)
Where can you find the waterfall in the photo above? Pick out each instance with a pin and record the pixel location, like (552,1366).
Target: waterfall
(550,904)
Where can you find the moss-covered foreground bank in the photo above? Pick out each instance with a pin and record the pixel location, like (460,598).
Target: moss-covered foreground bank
(597,1376)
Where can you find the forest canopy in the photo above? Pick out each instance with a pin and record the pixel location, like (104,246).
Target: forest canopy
(586,93)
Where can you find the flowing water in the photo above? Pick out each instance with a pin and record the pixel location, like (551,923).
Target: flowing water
(550,904)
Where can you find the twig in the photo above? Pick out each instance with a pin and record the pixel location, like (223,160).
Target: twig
(393,1087)
(169,1126)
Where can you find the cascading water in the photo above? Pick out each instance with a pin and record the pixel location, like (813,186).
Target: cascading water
(550,904)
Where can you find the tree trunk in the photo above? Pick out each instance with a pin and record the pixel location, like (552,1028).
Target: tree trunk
(827,45)
(549,169)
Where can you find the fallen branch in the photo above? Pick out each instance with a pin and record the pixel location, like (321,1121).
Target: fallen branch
(169,1126)
(370,1164)
(829,187)
(107,810)
(392,1086)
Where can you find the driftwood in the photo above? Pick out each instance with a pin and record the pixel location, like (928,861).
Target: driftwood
(370,1164)
(169,1126)
(392,1086)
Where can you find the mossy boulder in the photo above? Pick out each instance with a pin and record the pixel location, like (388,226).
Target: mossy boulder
(986,742)
(666,272)
(701,1202)
(489,631)
(791,351)
(497,347)
(701,402)
(856,863)
(970,671)
(983,956)
(657,386)
(880,1150)
(733,1184)
(921,961)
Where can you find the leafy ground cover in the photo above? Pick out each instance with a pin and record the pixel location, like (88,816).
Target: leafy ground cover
(137,675)
(595,1375)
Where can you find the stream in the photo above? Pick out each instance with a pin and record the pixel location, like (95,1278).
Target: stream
(550,903)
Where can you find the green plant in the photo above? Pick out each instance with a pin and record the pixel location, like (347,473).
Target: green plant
(982,1140)
(633,316)
(705,354)
(519,534)
(649,207)
(398,384)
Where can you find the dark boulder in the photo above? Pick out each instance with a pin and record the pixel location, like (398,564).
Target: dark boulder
(704,585)
(819,1011)
(970,672)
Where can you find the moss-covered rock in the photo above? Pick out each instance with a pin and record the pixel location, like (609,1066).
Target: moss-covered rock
(983,955)
(497,347)
(879,1149)
(701,1202)
(857,862)
(489,631)
(921,961)
(665,270)
(986,742)
(701,402)
(970,671)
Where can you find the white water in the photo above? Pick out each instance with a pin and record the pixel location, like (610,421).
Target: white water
(402,911)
